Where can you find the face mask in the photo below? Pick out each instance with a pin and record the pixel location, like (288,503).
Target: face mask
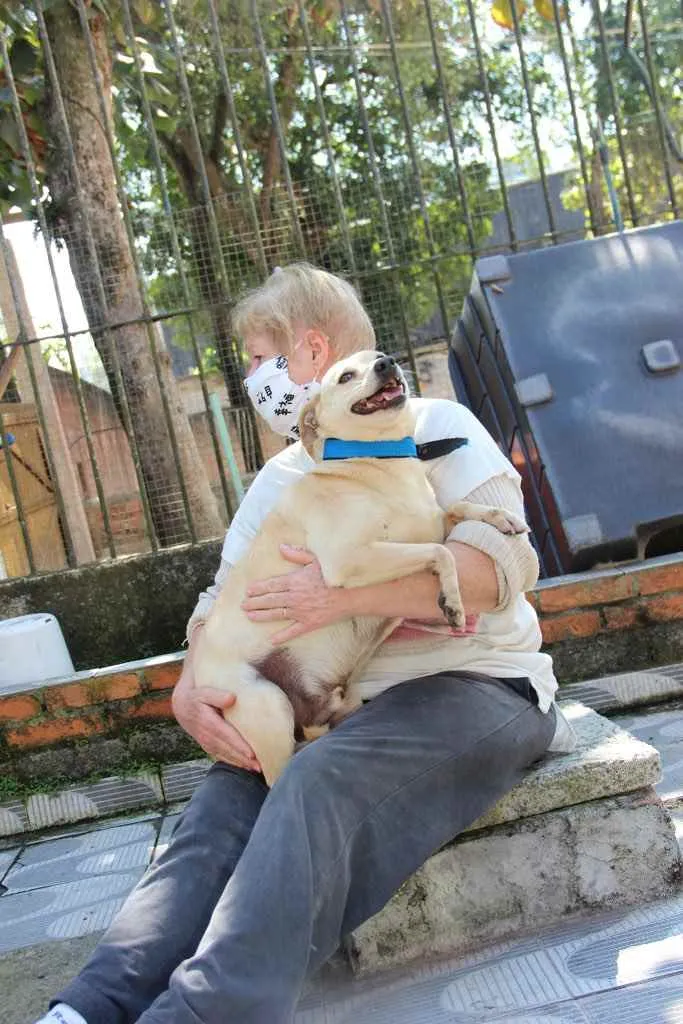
(277,398)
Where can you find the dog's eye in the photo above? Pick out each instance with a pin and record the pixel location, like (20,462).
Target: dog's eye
(346,377)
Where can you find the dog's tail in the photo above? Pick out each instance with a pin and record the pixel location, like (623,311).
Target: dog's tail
(263,715)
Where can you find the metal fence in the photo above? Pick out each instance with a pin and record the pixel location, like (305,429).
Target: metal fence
(178,151)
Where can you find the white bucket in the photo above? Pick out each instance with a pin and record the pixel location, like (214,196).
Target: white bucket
(32,650)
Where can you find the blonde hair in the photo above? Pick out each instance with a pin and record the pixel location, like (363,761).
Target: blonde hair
(301,295)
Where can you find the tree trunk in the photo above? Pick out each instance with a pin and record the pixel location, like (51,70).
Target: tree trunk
(96,217)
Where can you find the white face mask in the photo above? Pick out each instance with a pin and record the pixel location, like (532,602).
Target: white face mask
(277,398)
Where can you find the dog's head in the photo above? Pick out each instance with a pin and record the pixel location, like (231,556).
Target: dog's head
(363,397)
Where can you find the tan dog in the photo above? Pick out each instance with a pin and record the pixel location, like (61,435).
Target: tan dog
(367,520)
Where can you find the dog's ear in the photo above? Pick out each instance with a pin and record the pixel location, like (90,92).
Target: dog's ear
(308,424)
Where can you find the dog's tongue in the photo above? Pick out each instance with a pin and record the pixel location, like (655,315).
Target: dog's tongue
(387,394)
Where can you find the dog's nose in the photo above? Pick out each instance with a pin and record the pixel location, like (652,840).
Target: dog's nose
(385,365)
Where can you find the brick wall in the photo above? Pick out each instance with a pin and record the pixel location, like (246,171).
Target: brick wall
(587,621)
(90,703)
(617,599)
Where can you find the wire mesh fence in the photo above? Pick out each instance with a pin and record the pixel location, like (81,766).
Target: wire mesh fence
(170,155)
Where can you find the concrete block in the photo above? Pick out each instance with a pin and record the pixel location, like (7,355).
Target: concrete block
(94,800)
(629,689)
(607,761)
(514,878)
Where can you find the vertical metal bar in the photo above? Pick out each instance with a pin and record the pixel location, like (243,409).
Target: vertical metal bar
(532,119)
(16,494)
(277,124)
(460,178)
(150,330)
(657,104)
(206,189)
(603,152)
(168,210)
(483,78)
(45,234)
(628,17)
(10,266)
(189,107)
(377,182)
(408,127)
(237,136)
(598,144)
(616,113)
(331,163)
(572,104)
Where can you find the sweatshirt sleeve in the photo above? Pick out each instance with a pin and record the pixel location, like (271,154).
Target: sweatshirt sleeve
(206,599)
(514,557)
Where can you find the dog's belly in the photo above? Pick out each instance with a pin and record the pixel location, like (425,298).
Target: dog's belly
(311,674)
(309,698)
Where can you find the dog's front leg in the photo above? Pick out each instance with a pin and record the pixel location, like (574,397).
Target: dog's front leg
(382,561)
(506,522)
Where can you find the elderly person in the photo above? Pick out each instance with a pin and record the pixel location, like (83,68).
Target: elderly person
(257,887)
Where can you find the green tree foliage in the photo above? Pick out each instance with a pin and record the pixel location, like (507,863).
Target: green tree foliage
(308,222)
(219,243)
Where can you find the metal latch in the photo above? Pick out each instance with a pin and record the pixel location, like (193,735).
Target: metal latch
(661,356)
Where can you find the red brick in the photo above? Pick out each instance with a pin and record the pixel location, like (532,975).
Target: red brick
(153,707)
(658,579)
(532,598)
(18,707)
(665,608)
(44,734)
(598,591)
(163,677)
(564,627)
(93,691)
(622,617)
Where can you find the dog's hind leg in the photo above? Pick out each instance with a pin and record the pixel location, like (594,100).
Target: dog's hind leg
(263,715)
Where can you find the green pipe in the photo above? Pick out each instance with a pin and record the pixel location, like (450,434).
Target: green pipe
(226,444)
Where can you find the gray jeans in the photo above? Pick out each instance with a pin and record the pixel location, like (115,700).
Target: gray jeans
(257,887)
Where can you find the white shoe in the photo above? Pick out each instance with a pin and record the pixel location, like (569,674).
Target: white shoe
(62,1014)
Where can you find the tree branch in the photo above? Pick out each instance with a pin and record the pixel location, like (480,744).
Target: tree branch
(272,156)
(220,117)
(183,164)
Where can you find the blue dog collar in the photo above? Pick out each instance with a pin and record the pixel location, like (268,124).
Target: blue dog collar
(405,448)
(335,448)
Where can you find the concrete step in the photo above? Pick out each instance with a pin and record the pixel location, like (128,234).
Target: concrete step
(628,689)
(582,831)
(663,729)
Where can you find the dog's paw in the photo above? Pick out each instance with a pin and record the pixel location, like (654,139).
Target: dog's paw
(453,612)
(506,522)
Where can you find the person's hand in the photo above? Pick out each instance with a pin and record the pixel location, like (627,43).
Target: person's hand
(199,711)
(301,597)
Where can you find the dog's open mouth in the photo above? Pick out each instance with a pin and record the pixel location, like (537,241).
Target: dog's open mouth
(391,393)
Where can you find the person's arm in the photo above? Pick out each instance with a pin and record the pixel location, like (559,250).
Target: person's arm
(493,568)
(206,599)
(416,596)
